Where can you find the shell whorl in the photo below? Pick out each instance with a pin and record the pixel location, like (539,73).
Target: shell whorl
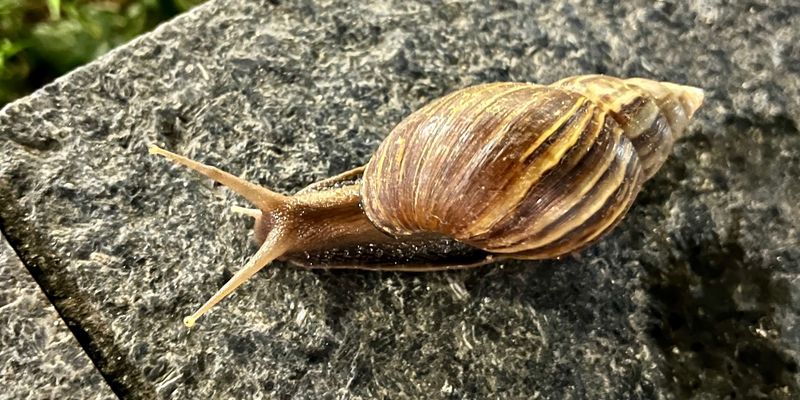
(531,170)
(653,115)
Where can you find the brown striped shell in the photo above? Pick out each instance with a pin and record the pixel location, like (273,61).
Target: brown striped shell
(525,170)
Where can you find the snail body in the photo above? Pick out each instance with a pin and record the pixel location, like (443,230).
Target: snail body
(490,172)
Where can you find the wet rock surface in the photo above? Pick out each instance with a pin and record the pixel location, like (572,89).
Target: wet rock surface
(695,294)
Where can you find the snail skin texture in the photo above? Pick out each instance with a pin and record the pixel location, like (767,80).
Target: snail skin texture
(491,172)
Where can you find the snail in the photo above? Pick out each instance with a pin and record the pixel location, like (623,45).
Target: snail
(490,172)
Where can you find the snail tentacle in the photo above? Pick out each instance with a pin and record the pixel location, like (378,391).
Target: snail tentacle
(277,243)
(260,197)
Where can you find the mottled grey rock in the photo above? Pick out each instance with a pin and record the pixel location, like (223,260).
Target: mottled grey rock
(39,356)
(695,294)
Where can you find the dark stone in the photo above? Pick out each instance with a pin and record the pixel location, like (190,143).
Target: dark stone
(39,355)
(694,295)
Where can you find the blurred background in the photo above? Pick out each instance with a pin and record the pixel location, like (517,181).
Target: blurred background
(41,40)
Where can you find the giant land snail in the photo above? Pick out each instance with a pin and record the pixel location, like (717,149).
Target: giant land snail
(491,172)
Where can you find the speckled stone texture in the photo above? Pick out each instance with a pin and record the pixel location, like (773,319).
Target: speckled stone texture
(696,294)
(39,356)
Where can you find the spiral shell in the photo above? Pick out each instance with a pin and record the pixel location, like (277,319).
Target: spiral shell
(522,169)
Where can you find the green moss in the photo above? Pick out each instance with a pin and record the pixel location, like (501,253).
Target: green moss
(41,40)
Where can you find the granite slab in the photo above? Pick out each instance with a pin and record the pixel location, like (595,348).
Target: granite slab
(39,356)
(694,295)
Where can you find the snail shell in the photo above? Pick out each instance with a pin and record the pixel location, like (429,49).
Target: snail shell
(490,172)
(529,170)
